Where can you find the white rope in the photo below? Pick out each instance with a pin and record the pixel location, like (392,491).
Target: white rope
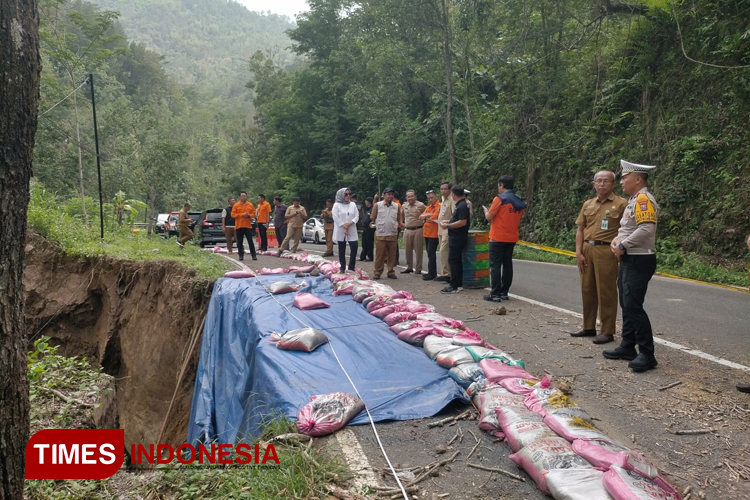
(372,422)
(61,100)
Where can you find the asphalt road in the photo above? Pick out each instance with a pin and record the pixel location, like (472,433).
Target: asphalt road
(708,318)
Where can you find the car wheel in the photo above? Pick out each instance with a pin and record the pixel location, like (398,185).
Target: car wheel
(317,239)
(202,244)
(304,240)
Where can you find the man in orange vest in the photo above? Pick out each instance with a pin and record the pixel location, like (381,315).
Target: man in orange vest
(264,208)
(504,215)
(430,233)
(243,213)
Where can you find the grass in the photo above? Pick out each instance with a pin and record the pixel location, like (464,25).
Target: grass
(58,220)
(303,471)
(670,261)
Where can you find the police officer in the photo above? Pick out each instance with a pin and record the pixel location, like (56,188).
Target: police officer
(634,246)
(598,224)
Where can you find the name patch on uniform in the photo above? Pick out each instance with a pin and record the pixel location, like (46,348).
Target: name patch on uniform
(644,210)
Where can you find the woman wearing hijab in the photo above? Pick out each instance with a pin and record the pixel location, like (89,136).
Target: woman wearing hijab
(345,217)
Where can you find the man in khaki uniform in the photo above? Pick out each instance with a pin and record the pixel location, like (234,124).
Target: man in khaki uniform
(598,224)
(447,207)
(183,225)
(386,215)
(295,218)
(413,239)
(327,215)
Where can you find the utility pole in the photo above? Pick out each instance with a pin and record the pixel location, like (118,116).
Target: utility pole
(98,163)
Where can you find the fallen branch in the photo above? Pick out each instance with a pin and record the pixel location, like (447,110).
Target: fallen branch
(454,438)
(396,493)
(292,436)
(473,450)
(449,419)
(499,471)
(343,494)
(68,399)
(674,384)
(692,432)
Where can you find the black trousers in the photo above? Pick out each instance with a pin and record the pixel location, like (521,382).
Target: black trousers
(456,246)
(368,244)
(432,245)
(280,234)
(352,254)
(501,267)
(632,284)
(245,232)
(262,228)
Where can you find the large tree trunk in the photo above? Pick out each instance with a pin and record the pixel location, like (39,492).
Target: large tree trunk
(19,97)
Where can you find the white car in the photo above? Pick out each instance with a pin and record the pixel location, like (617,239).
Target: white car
(313,231)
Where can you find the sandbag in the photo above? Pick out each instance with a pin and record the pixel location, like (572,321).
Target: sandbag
(547,454)
(344,287)
(576,484)
(468,338)
(453,356)
(285,287)
(521,426)
(399,317)
(624,484)
(277,270)
(379,302)
(488,352)
(303,339)
(405,325)
(571,427)
(239,274)
(403,294)
(301,269)
(433,345)
(523,385)
(466,373)
(337,277)
(416,336)
(607,452)
(542,401)
(307,301)
(496,370)
(491,398)
(219,250)
(327,413)
(444,331)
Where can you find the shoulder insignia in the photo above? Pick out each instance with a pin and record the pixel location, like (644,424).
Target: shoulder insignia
(644,210)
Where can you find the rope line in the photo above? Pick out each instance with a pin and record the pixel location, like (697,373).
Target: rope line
(64,98)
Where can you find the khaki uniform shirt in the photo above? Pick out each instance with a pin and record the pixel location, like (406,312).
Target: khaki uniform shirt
(184,220)
(638,223)
(412,213)
(447,207)
(295,216)
(327,214)
(601,221)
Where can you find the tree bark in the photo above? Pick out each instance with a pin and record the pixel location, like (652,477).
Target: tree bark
(19,97)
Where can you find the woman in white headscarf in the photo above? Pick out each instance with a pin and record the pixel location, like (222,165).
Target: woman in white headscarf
(345,217)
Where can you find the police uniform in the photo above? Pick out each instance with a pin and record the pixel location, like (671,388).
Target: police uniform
(600,222)
(637,238)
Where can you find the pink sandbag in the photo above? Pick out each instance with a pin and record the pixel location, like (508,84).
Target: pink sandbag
(307,301)
(278,270)
(495,371)
(523,385)
(344,287)
(547,454)
(399,317)
(403,294)
(220,250)
(378,302)
(416,336)
(384,311)
(521,426)
(444,331)
(624,484)
(328,413)
(468,337)
(336,277)
(238,274)
(417,308)
(302,339)
(572,427)
(489,400)
(607,452)
(301,269)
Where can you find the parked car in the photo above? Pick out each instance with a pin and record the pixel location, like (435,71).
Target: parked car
(173,216)
(211,230)
(159,225)
(313,230)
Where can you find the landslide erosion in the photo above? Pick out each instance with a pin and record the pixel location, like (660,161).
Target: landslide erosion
(135,319)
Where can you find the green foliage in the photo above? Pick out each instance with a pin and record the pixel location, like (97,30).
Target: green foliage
(49,216)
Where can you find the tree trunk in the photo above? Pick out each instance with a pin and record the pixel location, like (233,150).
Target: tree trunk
(80,155)
(19,97)
(449,91)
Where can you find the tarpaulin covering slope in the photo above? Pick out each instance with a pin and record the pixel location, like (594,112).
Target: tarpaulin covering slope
(243,378)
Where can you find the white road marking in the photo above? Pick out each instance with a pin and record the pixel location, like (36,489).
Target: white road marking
(356,458)
(667,343)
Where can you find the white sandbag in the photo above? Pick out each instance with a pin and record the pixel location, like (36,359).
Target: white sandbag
(576,484)
(571,427)
(546,454)
(452,356)
(492,398)
(434,344)
(466,373)
(521,426)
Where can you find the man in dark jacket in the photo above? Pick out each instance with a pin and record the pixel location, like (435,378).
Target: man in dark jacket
(279,222)
(368,232)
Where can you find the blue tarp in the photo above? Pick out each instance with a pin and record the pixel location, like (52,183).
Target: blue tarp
(243,378)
